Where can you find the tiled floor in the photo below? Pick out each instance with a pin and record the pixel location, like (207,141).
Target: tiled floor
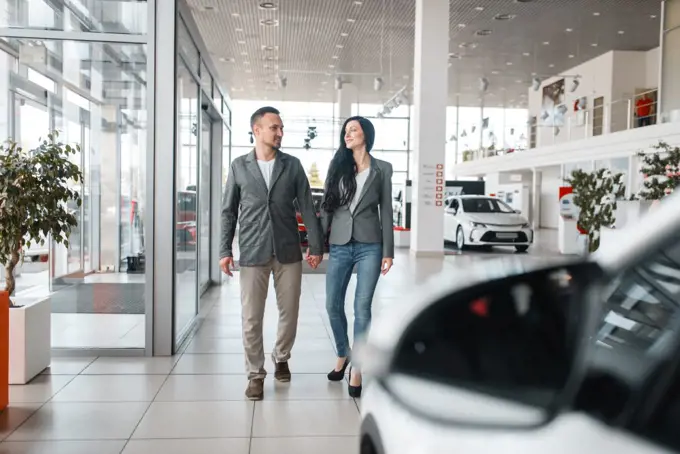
(194,402)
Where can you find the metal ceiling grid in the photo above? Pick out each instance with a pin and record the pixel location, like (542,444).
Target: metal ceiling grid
(310,42)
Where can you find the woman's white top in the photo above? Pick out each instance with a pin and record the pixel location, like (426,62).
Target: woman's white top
(361,182)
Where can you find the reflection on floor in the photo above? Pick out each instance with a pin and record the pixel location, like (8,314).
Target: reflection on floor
(194,403)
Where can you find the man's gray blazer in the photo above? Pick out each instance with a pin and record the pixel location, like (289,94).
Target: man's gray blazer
(267,217)
(371,221)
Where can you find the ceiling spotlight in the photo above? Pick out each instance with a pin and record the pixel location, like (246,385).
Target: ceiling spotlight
(483,84)
(267,5)
(344,35)
(594,44)
(479,8)
(338,83)
(571,55)
(574,84)
(596,14)
(462,25)
(350,20)
(569,30)
(621,32)
(484,32)
(283,81)
(235,14)
(546,43)
(535,83)
(339,46)
(526,54)
(504,16)
(653,16)
(551,65)
(495,73)
(377,83)
(509,63)
(269,22)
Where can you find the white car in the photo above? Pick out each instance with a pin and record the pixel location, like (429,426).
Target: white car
(581,356)
(476,220)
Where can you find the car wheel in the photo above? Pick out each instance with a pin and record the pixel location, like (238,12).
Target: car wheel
(521,248)
(460,238)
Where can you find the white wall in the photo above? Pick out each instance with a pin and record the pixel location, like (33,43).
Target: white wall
(616,76)
(596,80)
(549,203)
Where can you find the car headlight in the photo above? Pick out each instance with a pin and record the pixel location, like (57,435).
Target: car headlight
(477,224)
(526,226)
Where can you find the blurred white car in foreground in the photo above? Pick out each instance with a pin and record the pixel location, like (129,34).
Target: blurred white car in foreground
(581,356)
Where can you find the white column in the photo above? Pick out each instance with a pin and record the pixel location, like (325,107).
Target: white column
(669,86)
(430,96)
(536,198)
(347,96)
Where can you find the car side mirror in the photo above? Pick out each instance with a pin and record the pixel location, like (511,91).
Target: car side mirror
(506,353)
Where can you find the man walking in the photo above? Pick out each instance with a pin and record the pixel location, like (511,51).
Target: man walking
(259,194)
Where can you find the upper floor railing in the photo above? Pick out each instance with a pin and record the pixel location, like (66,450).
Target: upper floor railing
(580,121)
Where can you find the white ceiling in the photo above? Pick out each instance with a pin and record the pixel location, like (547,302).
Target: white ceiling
(311,41)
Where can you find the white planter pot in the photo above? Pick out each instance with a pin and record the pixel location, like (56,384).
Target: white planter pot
(402,238)
(630,211)
(29,339)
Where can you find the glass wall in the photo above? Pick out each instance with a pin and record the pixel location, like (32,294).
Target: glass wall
(94,94)
(202,118)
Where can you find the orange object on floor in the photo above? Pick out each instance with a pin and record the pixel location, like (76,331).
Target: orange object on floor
(4,350)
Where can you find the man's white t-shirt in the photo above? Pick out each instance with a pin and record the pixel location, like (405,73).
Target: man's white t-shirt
(361,182)
(267,167)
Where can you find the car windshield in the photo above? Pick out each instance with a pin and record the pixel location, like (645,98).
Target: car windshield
(485,205)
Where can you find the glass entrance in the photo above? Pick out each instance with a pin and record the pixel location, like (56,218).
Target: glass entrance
(204,197)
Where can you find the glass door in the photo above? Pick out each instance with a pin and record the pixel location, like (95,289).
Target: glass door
(204,203)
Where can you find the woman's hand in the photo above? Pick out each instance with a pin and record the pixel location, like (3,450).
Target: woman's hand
(386,265)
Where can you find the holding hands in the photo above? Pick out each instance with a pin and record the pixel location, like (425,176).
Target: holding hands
(314,260)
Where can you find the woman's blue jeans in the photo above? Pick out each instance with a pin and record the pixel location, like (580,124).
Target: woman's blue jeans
(368,259)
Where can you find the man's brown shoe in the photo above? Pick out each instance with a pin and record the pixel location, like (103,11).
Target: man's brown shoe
(255,390)
(282,372)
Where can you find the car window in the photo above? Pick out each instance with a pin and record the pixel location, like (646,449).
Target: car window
(485,205)
(641,303)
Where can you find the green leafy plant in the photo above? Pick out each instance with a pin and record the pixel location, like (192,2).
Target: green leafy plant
(661,172)
(35,193)
(596,193)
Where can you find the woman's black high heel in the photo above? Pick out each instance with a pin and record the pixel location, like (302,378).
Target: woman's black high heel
(354,391)
(338,375)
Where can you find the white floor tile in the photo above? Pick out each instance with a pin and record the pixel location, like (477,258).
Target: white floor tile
(190,446)
(111,388)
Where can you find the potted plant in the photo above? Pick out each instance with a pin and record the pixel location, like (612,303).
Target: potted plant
(35,188)
(596,194)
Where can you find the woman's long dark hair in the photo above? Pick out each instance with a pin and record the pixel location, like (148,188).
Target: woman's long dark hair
(341,182)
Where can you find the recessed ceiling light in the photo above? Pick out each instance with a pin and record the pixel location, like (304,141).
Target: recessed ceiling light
(552,65)
(569,30)
(596,14)
(241,42)
(621,32)
(518,81)
(235,14)
(594,44)
(350,20)
(462,25)
(331,66)
(358,3)
(495,73)
(267,5)
(571,56)
(546,43)
(653,16)
(480,8)
(484,32)
(339,46)
(335,57)
(504,16)
(509,63)
(526,54)
(208,8)
(269,22)
(344,35)
(239,30)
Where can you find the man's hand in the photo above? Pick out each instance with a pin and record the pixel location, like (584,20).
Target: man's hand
(314,260)
(386,265)
(227,264)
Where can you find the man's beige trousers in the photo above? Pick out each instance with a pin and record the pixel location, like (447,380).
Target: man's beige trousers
(254,282)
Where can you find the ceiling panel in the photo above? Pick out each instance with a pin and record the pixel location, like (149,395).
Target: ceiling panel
(310,42)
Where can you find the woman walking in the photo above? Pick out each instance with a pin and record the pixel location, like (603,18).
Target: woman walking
(357,208)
